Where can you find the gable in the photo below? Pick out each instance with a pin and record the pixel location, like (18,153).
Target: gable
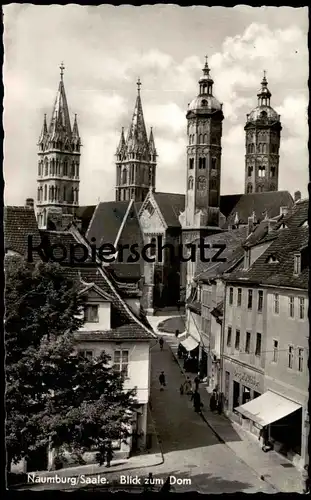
(151,221)
(95,295)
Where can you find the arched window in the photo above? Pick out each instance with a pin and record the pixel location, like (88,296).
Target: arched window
(201,183)
(249,170)
(46,167)
(64,194)
(53,193)
(213,163)
(200,139)
(272,171)
(204,102)
(73,169)
(44,217)
(264,148)
(45,192)
(191,163)
(65,166)
(204,88)
(77,169)
(205,139)
(202,163)
(38,196)
(261,171)
(213,184)
(124,176)
(190,183)
(249,188)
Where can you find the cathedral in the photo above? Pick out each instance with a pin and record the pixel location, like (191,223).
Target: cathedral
(139,214)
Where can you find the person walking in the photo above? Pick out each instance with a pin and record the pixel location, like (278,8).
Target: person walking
(162,381)
(197,382)
(109,453)
(187,386)
(181,389)
(196,398)
(220,403)
(176,333)
(161,342)
(213,402)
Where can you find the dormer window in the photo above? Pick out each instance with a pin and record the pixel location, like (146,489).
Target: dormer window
(297,263)
(305,224)
(91,313)
(283,226)
(283,210)
(273,259)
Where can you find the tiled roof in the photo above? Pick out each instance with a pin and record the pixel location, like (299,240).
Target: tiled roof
(232,239)
(124,332)
(262,204)
(228,202)
(105,226)
(297,215)
(19,223)
(85,214)
(280,273)
(171,205)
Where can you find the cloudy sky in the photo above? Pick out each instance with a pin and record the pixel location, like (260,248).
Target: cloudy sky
(106,48)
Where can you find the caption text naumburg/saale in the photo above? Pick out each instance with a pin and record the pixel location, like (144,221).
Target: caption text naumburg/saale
(100,479)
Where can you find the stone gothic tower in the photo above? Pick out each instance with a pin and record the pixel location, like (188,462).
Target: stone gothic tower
(59,161)
(136,158)
(204,131)
(262,140)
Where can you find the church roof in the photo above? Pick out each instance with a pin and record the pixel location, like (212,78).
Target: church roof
(262,204)
(19,223)
(137,140)
(85,214)
(170,205)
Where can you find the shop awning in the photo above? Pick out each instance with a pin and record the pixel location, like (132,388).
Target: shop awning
(189,343)
(267,408)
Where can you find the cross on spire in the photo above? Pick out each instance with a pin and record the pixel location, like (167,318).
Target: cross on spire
(206,60)
(138,85)
(264,73)
(62,67)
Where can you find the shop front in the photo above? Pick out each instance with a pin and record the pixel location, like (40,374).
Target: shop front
(189,351)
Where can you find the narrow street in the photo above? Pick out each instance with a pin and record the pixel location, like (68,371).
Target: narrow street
(190,448)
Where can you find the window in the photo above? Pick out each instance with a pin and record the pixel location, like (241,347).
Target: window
(202,163)
(290,356)
(91,313)
(276,303)
(230,296)
(248,342)
(213,163)
(300,359)
(86,354)
(291,307)
(250,299)
(260,300)
(297,263)
(229,336)
(272,171)
(191,162)
(301,308)
(120,362)
(249,171)
(261,171)
(258,345)
(275,350)
(249,188)
(190,183)
(237,339)
(239,300)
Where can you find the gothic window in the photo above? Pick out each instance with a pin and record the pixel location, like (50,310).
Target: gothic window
(204,89)
(38,194)
(46,167)
(249,170)
(65,167)
(205,139)
(72,169)
(201,183)
(64,194)
(252,148)
(272,171)
(249,188)
(200,139)
(72,195)
(45,192)
(261,171)
(213,163)
(190,183)
(53,193)
(213,184)
(77,169)
(264,148)
(191,163)
(124,176)
(202,163)
(60,144)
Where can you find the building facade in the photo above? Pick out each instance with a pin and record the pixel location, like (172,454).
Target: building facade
(136,159)
(59,162)
(262,142)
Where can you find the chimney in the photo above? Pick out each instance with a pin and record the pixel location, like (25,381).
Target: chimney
(297,196)
(250,225)
(271,225)
(30,203)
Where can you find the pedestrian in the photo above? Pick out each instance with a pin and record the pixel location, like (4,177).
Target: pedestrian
(196,398)
(181,389)
(197,382)
(213,401)
(148,486)
(176,333)
(220,403)
(166,486)
(162,381)
(161,342)
(109,454)
(187,386)
(306,480)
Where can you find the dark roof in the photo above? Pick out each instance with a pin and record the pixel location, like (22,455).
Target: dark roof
(262,204)
(124,332)
(85,214)
(280,273)
(297,215)
(19,223)
(218,311)
(259,233)
(233,240)
(195,306)
(228,202)
(105,226)
(171,206)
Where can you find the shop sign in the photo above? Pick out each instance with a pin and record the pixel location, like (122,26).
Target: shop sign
(246,379)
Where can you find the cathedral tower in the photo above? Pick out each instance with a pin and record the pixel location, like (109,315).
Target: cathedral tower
(59,160)
(204,130)
(262,140)
(136,158)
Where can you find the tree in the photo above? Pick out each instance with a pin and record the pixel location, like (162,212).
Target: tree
(54,396)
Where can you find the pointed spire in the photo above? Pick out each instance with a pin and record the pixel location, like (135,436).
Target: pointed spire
(75,129)
(121,146)
(152,148)
(60,121)
(264,93)
(206,82)
(137,136)
(44,131)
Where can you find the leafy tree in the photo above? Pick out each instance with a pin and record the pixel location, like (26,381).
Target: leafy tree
(54,396)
